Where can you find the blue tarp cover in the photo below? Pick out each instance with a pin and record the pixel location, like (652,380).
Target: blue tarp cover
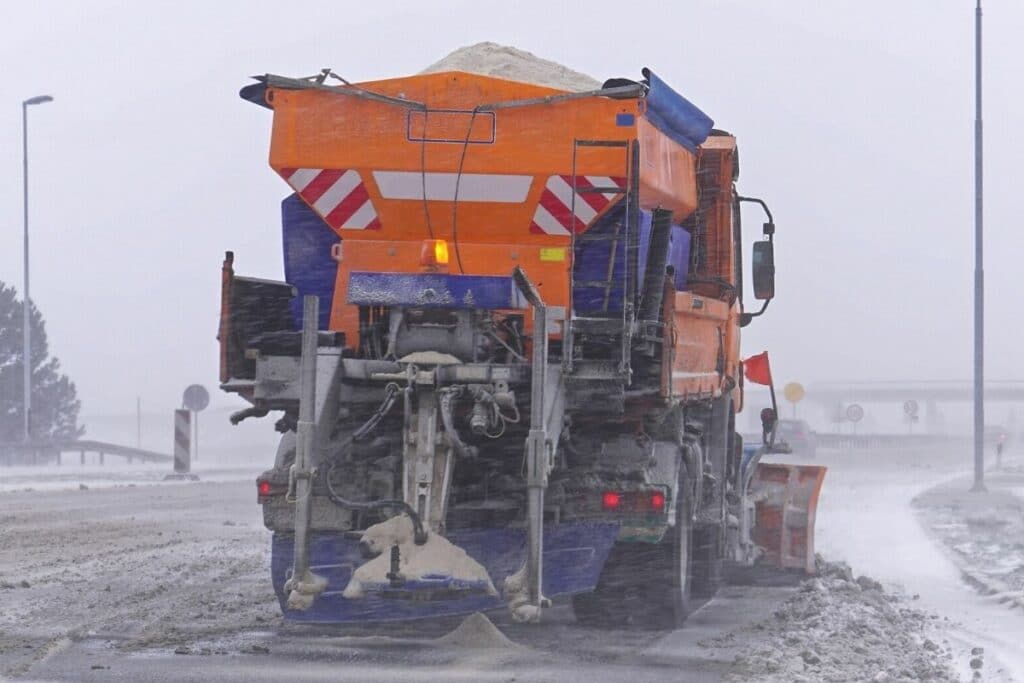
(674,115)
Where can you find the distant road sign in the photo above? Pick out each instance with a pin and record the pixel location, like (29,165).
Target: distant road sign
(196,398)
(910,408)
(854,413)
(794,392)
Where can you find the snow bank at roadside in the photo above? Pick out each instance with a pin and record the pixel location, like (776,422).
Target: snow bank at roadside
(838,627)
(982,530)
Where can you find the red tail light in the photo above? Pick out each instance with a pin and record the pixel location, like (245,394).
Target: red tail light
(658,500)
(263,488)
(611,500)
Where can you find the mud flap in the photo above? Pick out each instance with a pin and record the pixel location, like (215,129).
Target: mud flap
(785,502)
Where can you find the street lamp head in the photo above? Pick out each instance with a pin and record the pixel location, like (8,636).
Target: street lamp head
(39,99)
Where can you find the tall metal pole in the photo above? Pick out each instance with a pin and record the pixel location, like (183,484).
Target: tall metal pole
(26,329)
(979,272)
(25,318)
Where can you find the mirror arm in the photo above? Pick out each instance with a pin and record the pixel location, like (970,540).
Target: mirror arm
(769,227)
(746,318)
(769,232)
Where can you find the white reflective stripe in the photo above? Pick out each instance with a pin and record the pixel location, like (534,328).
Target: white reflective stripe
(603,181)
(363,216)
(303,177)
(679,374)
(563,191)
(548,223)
(337,192)
(473,187)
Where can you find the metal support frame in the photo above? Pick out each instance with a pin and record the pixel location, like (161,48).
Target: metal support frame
(304,586)
(538,451)
(428,460)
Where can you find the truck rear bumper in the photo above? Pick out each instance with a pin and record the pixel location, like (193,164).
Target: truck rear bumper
(574,554)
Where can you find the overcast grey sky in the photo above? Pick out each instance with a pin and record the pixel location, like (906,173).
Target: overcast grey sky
(854,120)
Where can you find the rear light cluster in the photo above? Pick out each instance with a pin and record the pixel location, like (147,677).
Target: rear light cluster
(633,501)
(265,489)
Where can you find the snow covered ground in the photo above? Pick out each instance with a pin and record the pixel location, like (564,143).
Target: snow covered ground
(134,579)
(865,518)
(93,476)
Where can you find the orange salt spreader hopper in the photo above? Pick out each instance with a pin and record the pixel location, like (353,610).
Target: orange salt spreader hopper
(506,173)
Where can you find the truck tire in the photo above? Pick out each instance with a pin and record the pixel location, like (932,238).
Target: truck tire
(646,586)
(708,540)
(707,563)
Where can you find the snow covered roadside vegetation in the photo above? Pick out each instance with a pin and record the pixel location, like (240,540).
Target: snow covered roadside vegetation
(838,627)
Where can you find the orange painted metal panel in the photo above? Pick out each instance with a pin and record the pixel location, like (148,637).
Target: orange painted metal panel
(504,161)
(786,507)
(668,173)
(699,334)
(324,130)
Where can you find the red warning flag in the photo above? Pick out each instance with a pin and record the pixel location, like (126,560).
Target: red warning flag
(757,370)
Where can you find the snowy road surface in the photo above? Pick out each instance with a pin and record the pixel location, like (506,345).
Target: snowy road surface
(865,518)
(170,582)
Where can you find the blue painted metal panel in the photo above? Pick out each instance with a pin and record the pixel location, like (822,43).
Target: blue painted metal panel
(674,115)
(433,290)
(574,555)
(592,257)
(679,256)
(308,264)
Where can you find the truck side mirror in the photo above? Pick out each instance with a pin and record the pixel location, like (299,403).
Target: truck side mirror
(763,264)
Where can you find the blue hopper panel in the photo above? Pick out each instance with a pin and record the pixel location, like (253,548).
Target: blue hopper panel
(574,555)
(433,290)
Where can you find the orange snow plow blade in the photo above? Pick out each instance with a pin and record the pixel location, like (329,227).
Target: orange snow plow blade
(786,499)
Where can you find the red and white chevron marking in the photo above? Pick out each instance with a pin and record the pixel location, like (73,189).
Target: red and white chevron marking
(554,214)
(338,195)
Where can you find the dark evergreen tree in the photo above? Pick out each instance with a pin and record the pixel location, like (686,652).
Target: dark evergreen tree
(55,403)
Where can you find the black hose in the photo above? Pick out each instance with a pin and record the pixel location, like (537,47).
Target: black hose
(419,533)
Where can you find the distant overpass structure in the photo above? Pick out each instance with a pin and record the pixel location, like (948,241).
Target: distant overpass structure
(924,397)
(938,391)
(44,452)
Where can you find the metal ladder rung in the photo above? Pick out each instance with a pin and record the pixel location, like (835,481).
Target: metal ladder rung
(602,143)
(587,238)
(601,190)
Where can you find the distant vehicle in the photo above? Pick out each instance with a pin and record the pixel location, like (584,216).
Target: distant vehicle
(797,437)
(996,435)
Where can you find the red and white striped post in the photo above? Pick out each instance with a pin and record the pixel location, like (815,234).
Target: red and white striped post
(182,441)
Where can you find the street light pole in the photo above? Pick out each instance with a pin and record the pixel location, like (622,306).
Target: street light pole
(979,272)
(25,320)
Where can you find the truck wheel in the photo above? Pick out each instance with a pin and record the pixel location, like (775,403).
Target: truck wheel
(707,541)
(707,563)
(670,608)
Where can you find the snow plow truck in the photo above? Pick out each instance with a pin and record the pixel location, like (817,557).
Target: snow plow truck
(505,358)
